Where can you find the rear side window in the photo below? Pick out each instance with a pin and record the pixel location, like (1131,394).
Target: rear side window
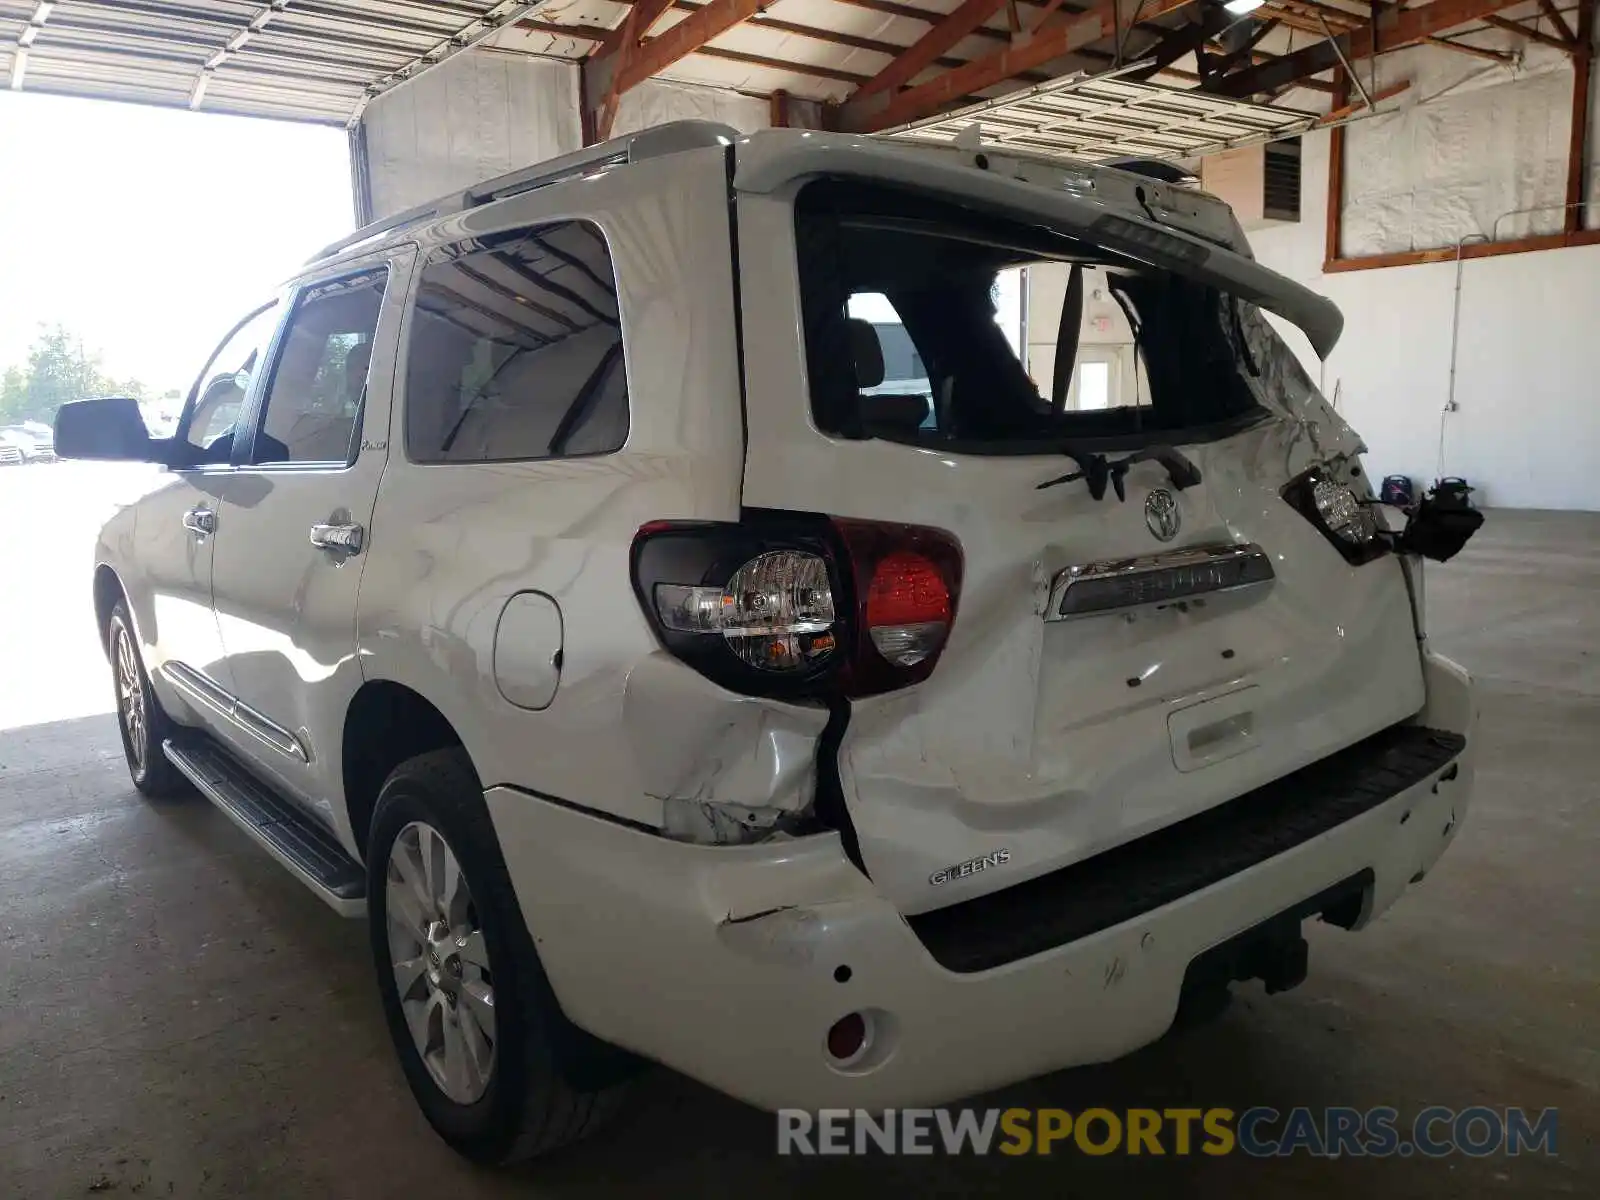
(938,324)
(312,407)
(516,350)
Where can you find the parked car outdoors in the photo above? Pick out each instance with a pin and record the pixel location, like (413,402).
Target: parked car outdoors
(27,443)
(548,576)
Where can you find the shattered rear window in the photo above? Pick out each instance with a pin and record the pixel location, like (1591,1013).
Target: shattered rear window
(935,323)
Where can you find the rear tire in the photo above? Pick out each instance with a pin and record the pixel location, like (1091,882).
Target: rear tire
(496,1068)
(141,720)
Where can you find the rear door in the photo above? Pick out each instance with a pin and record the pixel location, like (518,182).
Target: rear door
(1055,739)
(296,523)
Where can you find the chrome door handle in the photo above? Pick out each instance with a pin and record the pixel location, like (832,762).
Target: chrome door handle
(346,538)
(200,521)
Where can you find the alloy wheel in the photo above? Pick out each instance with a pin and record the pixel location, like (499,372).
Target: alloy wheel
(130,698)
(440,960)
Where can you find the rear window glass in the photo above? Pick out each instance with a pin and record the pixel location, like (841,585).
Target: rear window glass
(934,323)
(516,350)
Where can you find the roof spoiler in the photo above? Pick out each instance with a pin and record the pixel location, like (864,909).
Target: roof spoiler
(1126,230)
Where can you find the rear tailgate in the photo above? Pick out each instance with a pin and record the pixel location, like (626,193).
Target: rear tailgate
(1053,740)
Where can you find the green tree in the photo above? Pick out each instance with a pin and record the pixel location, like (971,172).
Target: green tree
(13,394)
(58,369)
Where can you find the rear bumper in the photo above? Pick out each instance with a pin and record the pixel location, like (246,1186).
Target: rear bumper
(725,963)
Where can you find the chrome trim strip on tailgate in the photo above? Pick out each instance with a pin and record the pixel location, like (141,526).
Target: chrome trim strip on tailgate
(1091,589)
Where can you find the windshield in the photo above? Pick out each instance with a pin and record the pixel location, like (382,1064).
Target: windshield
(937,324)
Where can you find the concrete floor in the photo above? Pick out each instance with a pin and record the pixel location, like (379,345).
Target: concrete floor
(179,1017)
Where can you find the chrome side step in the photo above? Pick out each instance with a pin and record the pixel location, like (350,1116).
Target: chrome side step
(296,840)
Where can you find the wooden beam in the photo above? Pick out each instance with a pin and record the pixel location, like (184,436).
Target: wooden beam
(1527,31)
(1413,258)
(608,63)
(1395,28)
(595,33)
(1230,59)
(1335,225)
(586,125)
(1054,41)
(684,38)
(1185,39)
(922,54)
(1296,17)
(854,78)
(853,41)
(1562,28)
(1582,88)
(598,33)
(779,114)
(1348,110)
(1498,56)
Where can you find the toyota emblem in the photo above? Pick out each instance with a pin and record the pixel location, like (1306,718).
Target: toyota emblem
(1161,514)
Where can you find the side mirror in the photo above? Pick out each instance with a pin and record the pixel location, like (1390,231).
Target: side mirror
(109,428)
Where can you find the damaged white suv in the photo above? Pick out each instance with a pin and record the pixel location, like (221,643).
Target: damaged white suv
(912,590)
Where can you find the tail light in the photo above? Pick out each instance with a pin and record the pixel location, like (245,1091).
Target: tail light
(1334,508)
(800,606)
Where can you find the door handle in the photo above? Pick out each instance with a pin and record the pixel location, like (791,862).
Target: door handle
(201,521)
(346,538)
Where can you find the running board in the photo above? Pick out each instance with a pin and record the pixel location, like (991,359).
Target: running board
(281,828)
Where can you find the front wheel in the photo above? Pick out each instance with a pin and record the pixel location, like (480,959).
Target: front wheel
(483,1044)
(143,723)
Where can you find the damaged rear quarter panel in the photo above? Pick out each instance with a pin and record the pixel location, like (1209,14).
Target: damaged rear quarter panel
(725,768)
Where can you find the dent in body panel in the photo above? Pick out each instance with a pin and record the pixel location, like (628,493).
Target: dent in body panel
(1060,731)
(453,542)
(728,769)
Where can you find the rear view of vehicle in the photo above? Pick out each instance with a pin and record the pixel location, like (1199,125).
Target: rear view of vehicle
(857,623)
(1122,671)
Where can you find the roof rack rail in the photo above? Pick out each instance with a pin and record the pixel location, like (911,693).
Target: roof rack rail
(649,143)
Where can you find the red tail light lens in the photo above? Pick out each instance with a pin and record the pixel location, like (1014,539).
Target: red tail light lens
(792,605)
(908,608)
(907,582)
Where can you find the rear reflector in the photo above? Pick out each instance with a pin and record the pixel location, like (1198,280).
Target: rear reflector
(847,1038)
(1157,579)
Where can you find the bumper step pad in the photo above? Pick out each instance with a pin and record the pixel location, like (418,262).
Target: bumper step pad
(1140,876)
(282,828)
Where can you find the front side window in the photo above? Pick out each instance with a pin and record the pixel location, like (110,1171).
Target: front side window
(220,391)
(516,350)
(311,412)
(907,305)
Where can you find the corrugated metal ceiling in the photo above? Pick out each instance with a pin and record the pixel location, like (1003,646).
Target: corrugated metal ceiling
(308,60)
(315,60)
(1101,117)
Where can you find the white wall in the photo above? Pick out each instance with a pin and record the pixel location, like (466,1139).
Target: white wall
(1471,141)
(471,118)
(1527,432)
(482,114)
(655,102)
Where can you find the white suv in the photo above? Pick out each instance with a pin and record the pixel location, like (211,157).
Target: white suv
(549,574)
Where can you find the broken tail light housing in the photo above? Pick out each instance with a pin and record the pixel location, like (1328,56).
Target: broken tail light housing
(1333,507)
(795,606)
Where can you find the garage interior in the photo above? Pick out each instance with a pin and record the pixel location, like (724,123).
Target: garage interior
(181,1018)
